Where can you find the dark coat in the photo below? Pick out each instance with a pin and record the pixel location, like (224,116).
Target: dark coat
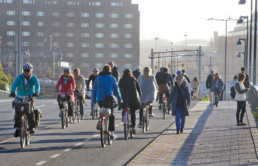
(131,92)
(246,83)
(136,74)
(115,73)
(209,81)
(164,78)
(174,97)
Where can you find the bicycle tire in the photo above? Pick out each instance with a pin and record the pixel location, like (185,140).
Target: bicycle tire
(66,118)
(126,126)
(147,119)
(22,132)
(110,141)
(164,110)
(63,119)
(102,135)
(143,122)
(27,134)
(77,112)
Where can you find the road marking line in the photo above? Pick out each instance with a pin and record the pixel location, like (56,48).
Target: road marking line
(55,156)
(67,150)
(78,144)
(10,139)
(2,101)
(40,106)
(96,135)
(41,163)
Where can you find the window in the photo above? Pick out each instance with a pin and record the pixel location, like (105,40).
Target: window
(70,44)
(99,15)
(40,44)
(113,15)
(113,35)
(84,25)
(25,33)
(128,66)
(128,45)
(10,43)
(99,55)
(95,3)
(99,65)
(40,23)
(99,35)
(10,33)
(56,34)
(10,13)
(99,45)
(116,4)
(73,3)
(70,24)
(99,25)
(85,55)
(26,13)
(25,23)
(113,45)
(70,34)
(113,25)
(50,2)
(6,1)
(40,14)
(56,24)
(128,56)
(128,25)
(85,15)
(56,44)
(85,45)
(55,14)
(25,44)
(85,65)
(40,34)
(28,1)
(10,23)
(128,15)
(70,55)
(70,14)
(113,55)
(85,35)
(128,36)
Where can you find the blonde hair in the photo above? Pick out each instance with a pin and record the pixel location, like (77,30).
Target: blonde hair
(146,73)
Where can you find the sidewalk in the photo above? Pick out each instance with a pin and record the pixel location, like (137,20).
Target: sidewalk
(210,137)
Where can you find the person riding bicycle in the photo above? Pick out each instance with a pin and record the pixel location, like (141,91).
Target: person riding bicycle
(164,78)
(131,93)
(67,83)
(179,73)
(91,80)
(26,84)
(104,86)
(148,87)
(80,88)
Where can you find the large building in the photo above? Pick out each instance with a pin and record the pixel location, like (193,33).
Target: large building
(87,33)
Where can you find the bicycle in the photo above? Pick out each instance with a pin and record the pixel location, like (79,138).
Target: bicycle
(95,112)
(164,103)
(195,94)
(127,123)
(63,105)
(23,101)
(145,117)
(76,108)
(104,123)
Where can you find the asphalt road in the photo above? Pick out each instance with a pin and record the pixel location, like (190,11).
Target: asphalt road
(79,144)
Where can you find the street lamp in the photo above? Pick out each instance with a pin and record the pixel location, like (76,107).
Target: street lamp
(156,50)
(185,41)
(171,57)
(226,44)
(245,53)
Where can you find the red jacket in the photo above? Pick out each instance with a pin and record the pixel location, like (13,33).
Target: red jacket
(66,85)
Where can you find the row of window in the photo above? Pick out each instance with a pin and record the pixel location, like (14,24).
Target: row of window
(100,65)
(69,14)
(99,55)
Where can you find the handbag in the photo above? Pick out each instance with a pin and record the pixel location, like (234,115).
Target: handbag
(109,101)
(163,88)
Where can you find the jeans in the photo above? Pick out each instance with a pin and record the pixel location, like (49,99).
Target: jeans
(211,94)
(240,108)
(217,93)
(180,118)
(81,103)
(133,117)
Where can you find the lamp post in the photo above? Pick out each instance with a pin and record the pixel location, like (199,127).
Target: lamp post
(171,60)
(226,45)
(50,49)
(156,50)
(245,53)
(185,41)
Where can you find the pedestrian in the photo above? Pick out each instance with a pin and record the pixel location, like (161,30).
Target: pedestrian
(196,86)
(131,93)
(234,81)
(180,99)
(137,72)
(246,83)
(232,87)
(208,85)
(179,73)
(185,75)
(148,87)
(114,70)
(240,98)
(217,87)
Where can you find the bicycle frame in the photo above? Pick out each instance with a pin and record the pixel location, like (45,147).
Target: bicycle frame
(63,103)
(127,123)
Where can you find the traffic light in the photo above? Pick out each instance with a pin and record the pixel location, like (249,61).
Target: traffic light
(41,95)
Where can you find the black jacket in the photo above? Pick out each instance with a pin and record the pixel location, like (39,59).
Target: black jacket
(130,92)
(209,81)
(246,83)
(136,74)
(187,78)
(115,73)
(164,78)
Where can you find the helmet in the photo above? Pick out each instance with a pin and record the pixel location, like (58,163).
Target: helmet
(95,70)
(27,66)
(66,69)
(138,68)
(183,70)
(165,69)
(127,71)
(179,72)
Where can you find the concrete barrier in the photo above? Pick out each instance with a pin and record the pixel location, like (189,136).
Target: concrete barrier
(4,94)
(252,97)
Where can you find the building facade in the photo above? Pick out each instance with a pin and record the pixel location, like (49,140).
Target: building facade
(86,33)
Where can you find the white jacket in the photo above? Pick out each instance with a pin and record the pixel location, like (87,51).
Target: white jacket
(240,95)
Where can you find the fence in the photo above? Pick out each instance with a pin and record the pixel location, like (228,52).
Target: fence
(4,94)
(253,98)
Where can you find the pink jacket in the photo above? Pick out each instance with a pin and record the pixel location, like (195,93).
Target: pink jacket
(66,85)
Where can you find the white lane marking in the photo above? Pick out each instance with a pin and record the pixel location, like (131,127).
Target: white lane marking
(96,135)
(2,101)
(55,156)
(10,139)
(41,163)
(67,150)
(40,106)
(78,144)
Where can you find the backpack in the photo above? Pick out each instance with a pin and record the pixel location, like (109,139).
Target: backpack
(232,92)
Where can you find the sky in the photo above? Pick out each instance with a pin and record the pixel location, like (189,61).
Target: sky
(173,19)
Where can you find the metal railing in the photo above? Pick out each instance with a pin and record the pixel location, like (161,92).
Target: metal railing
(4,94)
(252,97)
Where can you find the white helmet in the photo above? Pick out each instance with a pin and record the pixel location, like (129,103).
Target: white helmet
(27,66)
(138,68)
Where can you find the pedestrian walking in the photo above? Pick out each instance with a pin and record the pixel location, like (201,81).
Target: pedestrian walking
(180,99)
(232,87)
(185,75)
(246,82)
(241,99)
(196,86)
(217,87)
(137,72)
(114,70)
(208,86)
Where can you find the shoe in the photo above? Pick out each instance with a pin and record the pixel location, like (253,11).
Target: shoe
(17,133)
(181,130)
(177,132)
(133,131)
(239,124)
(242,124)
(214,103)
(139,125)
(113,137)
(152,115)
(32,131)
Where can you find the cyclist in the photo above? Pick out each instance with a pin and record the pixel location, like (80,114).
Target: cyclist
(137,72)
(148,87)
(131,93)
(26,84)
(80,88)
(179,73)
(106,84)
(186,76)
(67,83)
(92,79)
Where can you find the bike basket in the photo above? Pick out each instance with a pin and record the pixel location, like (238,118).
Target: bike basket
(105,111)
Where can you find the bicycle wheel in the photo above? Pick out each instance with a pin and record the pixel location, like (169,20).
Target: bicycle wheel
(63,119)
(27,136)
(102,134)
(164,110)
(147,119)
(108,135)
(143,120)
(126,125)
(22,132)
(66,118)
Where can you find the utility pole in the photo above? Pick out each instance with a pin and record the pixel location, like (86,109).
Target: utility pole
(200,63)
(44,74)
(152,58)
(59,61)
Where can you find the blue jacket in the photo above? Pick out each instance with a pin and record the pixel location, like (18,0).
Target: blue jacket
(31,87)
(220,85)
(174,97)
(109,86)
